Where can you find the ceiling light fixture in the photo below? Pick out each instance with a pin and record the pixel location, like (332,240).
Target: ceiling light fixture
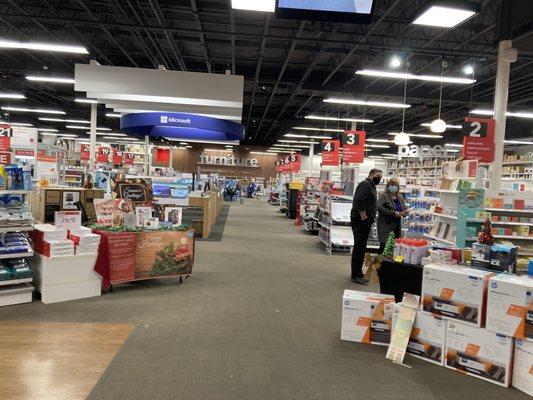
(73,121)
(113,115)
(439,125)
(13,44)
(260,153)
(109,134)
(98,128)
(468,69)
(68,135)
(409,76)
(222,150)
(296,135)
(310,128)
(35,110)
(453,145)
(447,14)
(51,79)
(88,101)
(48,134)
(47,130)
(420,135)
(254,5)
(366,103)
(403,139)
(517,142)
(428,124)
(14,96)
(395,62)
(378,146)
(15,123)
(518,114)
(380,140)
(324,118)
(298,141)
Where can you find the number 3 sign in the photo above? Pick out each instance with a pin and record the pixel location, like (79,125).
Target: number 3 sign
(353,146)
(478,139)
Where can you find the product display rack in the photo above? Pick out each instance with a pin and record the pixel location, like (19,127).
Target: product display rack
(74,176)
(309,205)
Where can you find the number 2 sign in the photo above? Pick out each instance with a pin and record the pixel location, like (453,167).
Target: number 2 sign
(330,152)
(478,139)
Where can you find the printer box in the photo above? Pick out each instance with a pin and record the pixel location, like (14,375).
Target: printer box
(480,353)
(366,317)
(428,336)
(510,306)
(455,292)
(523,366)
(480,255)
(503,258)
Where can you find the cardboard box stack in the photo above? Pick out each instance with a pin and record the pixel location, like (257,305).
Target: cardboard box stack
(84,240)
(55,242)
(45,233)
(523,366)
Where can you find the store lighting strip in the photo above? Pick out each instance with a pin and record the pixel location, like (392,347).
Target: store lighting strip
(14,96)
(15,123)
(72,121)
(260,153)
(88,101)
(297,142)
(61,48)
(113,115)
(296,135)
(528,115)
(310,128)
(517,142)
(220,150)
(447,14)
(420,135)
(409,76)
(99,128)
(378,146)
(380,140)
(447,126)
(47,130)
(35,110)
(292,145)
(354,102)
(50,79)
(324,118)
(172,139)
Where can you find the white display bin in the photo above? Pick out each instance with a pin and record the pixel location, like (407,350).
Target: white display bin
(66,278)
(16,294)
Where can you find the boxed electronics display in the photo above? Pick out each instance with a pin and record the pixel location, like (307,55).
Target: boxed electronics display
(510,306)
(366,317)
(523,366)
(503,258)
(455,292)
(479,352)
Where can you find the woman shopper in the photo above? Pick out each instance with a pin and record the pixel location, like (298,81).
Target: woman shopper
(391,210)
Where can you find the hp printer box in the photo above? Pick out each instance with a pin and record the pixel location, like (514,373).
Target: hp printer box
(455,292)
(510,306)
(523,366)
(366,317)
(478,352)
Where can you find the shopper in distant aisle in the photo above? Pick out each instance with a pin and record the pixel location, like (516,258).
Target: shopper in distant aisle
(362,217)
(391,210)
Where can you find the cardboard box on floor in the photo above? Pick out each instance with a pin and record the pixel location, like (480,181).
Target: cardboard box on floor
(428,336)
(366,317)
(510,306)
(479,352)
(457,293)
(523,366)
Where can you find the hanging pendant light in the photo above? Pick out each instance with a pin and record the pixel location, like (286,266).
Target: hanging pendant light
(402,138)
(439,125)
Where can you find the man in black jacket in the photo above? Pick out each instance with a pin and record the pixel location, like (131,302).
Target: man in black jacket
(362,217)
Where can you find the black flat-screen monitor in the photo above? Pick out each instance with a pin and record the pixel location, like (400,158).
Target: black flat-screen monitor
(352,11)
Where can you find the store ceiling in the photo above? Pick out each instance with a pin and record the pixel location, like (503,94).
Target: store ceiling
(289,66)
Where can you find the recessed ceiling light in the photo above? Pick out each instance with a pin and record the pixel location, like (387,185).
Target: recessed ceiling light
(366,103)
(310,128)
(51,79)
(254,5)
(88,101)
(324,118)
(113,115)
(73,121)
(445,14)
(13,44)
(409,76)
(14,96)
(35,110)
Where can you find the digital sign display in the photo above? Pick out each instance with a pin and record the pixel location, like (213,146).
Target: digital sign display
(356,11)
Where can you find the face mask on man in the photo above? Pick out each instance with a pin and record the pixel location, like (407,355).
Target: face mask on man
(393,189)
(376,180)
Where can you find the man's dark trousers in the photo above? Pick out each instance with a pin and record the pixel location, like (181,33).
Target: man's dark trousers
(361,231)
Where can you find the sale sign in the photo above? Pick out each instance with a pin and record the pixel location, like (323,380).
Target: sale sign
(353,146)
(330,153)
(103,154)
(85,152)
(478,139)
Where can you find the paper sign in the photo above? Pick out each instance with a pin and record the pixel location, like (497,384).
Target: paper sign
(24,153)
(330,153)
(117,157)
(353,146)
(46,171)
(23,137)
(67,219)
(402,329)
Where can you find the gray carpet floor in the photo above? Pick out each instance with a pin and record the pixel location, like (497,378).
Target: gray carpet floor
(258,319)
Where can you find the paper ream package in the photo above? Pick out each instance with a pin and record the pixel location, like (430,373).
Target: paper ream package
(479,353)
(523,366)
(510,306)
(455,292)
(406,313)
(366,317)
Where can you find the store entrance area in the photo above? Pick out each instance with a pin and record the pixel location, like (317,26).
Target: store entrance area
(259,319)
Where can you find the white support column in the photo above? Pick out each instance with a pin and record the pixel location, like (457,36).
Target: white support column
(311,157)
(146,155)
(506,56)
(92,154)
(171,159)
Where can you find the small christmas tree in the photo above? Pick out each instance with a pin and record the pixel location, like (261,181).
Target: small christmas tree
(388,251)
(485,236)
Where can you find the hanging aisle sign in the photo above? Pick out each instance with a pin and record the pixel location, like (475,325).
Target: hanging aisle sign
(117,157)
(128,158)
(353,146)
(290,163)
(103,154)
(478,139)
(330,153)
(85,152)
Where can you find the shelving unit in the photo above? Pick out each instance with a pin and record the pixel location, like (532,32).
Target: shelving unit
(309,205)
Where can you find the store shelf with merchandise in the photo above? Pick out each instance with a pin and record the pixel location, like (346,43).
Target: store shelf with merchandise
(309,205)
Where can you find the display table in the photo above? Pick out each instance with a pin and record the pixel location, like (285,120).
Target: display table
(133,256)
(211,203)
(399,278)
(66,278)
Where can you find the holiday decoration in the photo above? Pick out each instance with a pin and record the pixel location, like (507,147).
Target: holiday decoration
(388,251)
(172,261)
(373,264)
(485,236)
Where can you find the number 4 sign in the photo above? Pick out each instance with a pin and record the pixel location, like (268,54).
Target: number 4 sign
(330,152)
(353,145)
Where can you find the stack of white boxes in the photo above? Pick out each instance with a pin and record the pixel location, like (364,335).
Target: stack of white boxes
(85,241)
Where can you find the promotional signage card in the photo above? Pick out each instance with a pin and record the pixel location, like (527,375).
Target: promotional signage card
(353,146)
(67,219)
(5,141)
(330,153)
(478,139)
(46,171)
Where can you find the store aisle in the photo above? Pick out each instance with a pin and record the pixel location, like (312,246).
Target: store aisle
(259,319)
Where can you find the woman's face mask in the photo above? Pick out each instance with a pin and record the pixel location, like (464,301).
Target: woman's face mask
(393,189)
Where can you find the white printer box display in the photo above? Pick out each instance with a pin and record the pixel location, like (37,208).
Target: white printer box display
(428,337)
(366,317)
(510,306)
(523,366)
(478,352)
(455,292)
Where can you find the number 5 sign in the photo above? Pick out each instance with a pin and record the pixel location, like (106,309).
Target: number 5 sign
(478,139)
(353,146)
(330,152)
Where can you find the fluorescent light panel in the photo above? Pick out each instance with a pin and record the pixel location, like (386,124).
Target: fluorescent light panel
(15,123)
(259,152)
(236,142)
(380,140)
(409,76)
(35,110)
(420,135)
(88,101)
(14,96)
(355,102)
(443,16)
(13,44)
(51,79)
(519,114)
(47,130)
(517,142)
(72,121)
(297,141)
(254,5)
(310,128)
(113,115)
(98,128)
(428,124)
(296,135)
(324,118)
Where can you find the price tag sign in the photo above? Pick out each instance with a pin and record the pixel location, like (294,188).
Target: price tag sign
(353,146)
(330,153)
(67,219)
(103,154)
(478,139)
(85,152)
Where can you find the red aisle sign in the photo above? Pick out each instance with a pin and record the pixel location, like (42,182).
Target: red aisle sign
(103,154)
(5,157)
(128,158)
(278,164)
(290,163)
(117,157)
(5,130)
(24,153)
(478,139)
(85,152)
(5,143)
(353,146)
(330,153)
